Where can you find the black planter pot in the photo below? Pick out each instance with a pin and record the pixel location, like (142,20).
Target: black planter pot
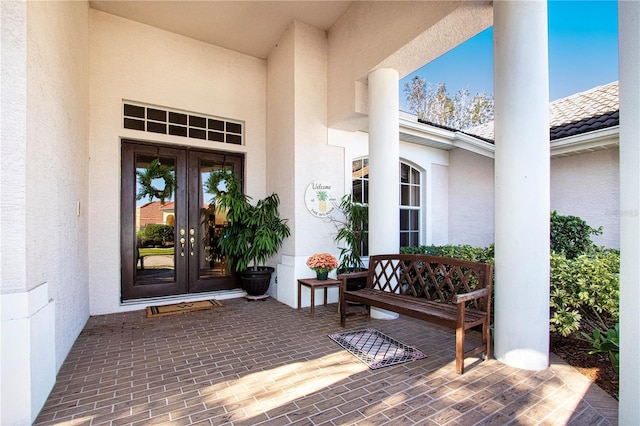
(256,282)
(354,283)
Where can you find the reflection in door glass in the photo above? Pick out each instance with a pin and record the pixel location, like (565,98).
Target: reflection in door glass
(155,222)
(211,262)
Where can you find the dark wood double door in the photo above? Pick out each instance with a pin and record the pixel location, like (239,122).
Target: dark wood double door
(170,248)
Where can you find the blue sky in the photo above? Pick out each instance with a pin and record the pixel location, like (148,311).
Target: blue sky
(583,53)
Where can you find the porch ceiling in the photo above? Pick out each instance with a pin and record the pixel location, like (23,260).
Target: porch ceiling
(249,27)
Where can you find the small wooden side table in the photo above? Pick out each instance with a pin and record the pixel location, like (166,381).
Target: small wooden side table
(313,284)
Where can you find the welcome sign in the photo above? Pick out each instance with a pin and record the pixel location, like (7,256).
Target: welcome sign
(319,198)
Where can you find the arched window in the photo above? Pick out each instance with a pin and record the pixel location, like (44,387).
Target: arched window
(360,180)
(410,190)
(410,199)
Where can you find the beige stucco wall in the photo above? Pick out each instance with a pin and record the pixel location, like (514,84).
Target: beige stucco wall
(587,186)
(471,199)
(140,63)
(315,160)
(45,128)
(57,161)
(432,164)
(280,128)
(438,206)
(584,185)
(14,145)
(297,150)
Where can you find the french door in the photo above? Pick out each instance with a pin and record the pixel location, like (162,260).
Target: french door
(169,247)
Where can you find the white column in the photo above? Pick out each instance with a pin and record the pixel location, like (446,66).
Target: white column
(629,48)
(522,184)
(384,154)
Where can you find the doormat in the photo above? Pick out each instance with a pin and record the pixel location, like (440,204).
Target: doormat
(181,308)
(376,349)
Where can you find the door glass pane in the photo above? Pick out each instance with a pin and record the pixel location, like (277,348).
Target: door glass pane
(210,262)
(155,223)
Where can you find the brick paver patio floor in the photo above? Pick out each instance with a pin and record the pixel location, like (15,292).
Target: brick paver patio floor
(251,363)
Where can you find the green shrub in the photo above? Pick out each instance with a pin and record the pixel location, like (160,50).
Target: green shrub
(155,234)
(465,252)
(608,342)
(571,235)
(584,291)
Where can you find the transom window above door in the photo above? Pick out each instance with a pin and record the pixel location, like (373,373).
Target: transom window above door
(148,118)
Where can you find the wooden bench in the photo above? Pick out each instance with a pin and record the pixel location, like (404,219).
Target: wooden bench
(441,290)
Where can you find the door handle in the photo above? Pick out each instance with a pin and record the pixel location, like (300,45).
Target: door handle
(182,241)
(192,240)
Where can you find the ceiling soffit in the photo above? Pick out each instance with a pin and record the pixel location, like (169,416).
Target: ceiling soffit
(249,27)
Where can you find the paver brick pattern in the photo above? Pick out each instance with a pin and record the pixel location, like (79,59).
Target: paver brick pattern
(263,363)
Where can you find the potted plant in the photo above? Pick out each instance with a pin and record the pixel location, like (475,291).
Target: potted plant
(252,234)
(352,232)
(322,264)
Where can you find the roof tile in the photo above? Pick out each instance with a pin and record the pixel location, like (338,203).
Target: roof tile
(583,112)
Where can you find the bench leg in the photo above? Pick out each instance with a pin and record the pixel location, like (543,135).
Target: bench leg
(460,350)
(342,304)
(486,339)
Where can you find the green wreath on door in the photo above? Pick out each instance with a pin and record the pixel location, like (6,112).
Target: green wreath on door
(154,171)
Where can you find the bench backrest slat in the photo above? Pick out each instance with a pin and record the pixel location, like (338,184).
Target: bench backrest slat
(429,277)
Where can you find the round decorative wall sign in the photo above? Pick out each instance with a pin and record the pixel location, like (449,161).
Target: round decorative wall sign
(319,198)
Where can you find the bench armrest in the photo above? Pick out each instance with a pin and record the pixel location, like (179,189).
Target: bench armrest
(476,294)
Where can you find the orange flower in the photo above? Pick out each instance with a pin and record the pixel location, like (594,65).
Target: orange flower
(322,262)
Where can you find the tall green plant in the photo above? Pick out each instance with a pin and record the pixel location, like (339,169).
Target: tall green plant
(253,233)
(571,235)
(352,232)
